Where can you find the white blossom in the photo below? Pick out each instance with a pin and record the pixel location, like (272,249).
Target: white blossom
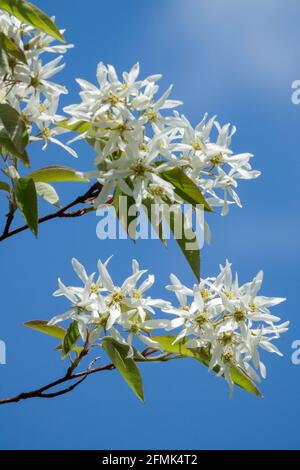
(231,322)
(138,136)
(29,87)
(101,307)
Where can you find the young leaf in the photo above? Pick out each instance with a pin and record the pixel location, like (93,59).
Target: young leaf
(57,174)
(13,135)
(8,146)
(48,193)
(26,197)
(157,227)
(238,376)
(185,188)
(31,15)
(185,238)
(75,349)
(4,186)
(43,327)
(11,48)
(80,127)
(4,58)
(117,353)
(70,339)
(127,221)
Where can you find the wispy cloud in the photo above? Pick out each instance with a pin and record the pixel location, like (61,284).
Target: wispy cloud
(248,45)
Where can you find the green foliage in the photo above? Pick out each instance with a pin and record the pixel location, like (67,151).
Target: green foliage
(48,193)
(129,222)
(31,15)
(126,366)
(26,199)
(187,235)
(70,339)
(192,256)
(4,186)
(79,127)
(52,330)
(13,133)
(238,376)
(158,228)
(57,174)
(10,53)
(43,327)
(185,188)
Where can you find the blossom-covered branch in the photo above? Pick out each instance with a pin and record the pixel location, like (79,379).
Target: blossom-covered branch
(138,138)
(148,151)
(218,322)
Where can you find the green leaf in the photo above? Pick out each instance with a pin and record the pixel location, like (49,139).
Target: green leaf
(13,134)
(11,48)
(158,228)
(117,353)
(127,221)
(51,330)
(57,174)
(4,186)
(48,193)
(31,15)
(80,127)
(43,327)
(70,339)
(187,238)
(4,58)
(75,349)
(26,197)
(185,188)
(239,377)
(7,146)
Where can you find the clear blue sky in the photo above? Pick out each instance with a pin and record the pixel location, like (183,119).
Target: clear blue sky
(236,60)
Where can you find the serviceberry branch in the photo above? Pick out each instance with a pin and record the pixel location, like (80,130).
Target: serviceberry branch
(86,198)
(80,377)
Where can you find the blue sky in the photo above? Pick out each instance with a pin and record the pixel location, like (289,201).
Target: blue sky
(237,61)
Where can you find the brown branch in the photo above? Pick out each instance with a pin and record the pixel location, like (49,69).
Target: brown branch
(40,392)
(86,198)
(9,221)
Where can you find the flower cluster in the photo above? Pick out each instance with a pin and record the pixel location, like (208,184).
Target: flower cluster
(137,138)
(100,307)
(25,82)
(231,323)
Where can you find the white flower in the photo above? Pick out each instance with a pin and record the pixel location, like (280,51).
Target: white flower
(27,86)
(49,134)
(136,137)
(36,77)
(135,174)
(120,113)
(137,327)
(100,306)
(229,321)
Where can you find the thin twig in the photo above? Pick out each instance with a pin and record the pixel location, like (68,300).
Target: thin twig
(79,377)
(86,198)
(9,221)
